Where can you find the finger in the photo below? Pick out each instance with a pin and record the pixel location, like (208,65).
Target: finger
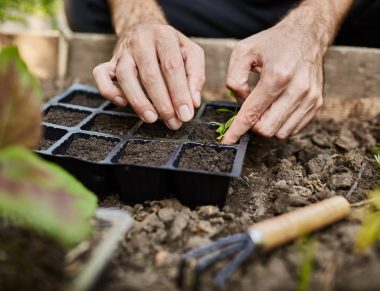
(173,69)
(262,96)
(126,73)
(103,75)
(308,117)
(296,118)
(195,67)
(150,74)
(239,67)
(282,108)
(305,121)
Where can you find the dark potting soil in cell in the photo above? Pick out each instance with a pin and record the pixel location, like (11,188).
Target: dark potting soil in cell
(148,154)
(92,101)
(117,125)
(160,130)
(212,115)
(204,134)
(92,149)
(114,108)
(207,159)
(45,144)
(65,117)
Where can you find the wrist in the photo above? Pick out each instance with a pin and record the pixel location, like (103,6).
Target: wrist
(318,20)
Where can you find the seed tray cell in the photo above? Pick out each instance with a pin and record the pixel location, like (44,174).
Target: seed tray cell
(112,150)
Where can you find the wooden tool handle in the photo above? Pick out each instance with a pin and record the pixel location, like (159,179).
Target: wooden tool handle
(282,229)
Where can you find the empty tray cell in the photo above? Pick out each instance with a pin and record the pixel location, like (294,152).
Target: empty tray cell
(115,108)
(51,136)
(215,159)
(111,124)
(87,147)
(145,153)
(85,99)
(160,130)
(64,116)
(204,133)
(218,113)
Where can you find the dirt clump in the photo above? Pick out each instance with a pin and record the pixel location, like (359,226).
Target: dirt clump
(279,176)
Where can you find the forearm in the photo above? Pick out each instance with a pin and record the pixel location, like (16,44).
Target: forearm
(126,13)
(321,19)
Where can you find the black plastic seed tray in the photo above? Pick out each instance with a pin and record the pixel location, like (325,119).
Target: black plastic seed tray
(109,149)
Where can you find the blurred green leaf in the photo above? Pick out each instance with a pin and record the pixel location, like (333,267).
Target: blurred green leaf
(11,9)
(44,197)
(305,272)
(370,231)
(20,101)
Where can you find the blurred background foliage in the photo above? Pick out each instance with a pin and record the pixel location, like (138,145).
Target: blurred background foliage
(21,10)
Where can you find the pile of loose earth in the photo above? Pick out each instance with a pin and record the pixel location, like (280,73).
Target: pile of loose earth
(279,176)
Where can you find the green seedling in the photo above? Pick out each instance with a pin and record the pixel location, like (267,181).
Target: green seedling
(223,127)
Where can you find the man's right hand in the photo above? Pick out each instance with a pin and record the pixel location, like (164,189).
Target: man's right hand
(155,60)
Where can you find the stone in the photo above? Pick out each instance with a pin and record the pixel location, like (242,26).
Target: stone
(343,180)
(166,214)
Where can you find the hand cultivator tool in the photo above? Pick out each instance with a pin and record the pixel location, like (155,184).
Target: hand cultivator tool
(264,236)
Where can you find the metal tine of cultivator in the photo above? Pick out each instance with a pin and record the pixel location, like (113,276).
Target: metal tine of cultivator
(223,247)
(231,267)
(209,260)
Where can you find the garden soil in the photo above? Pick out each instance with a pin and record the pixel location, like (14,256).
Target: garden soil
(279,176)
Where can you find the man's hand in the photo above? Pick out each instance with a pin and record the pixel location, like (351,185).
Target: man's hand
(153,59)
(288,58)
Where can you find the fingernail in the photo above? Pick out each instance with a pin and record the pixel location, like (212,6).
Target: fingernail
(120,101)
(150,116)
(174,123)
(197,99)
(185,113)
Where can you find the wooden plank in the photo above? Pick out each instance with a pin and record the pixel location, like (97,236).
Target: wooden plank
(40,50)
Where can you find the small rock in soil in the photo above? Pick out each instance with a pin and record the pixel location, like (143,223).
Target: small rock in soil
(206,159)
(179,224)
(346,140)
(343,180)
(65,117)
(322,164)
(110,124)
(208,211)
(167,214)
(91,149)
(148,154)
(322,140)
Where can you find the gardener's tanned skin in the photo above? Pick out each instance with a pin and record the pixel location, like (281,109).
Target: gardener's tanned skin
(171,68)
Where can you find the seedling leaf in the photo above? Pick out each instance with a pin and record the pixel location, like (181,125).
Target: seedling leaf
(20,102)
(309,248)
(44,197)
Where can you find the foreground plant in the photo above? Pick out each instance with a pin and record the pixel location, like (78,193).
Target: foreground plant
(34,193)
